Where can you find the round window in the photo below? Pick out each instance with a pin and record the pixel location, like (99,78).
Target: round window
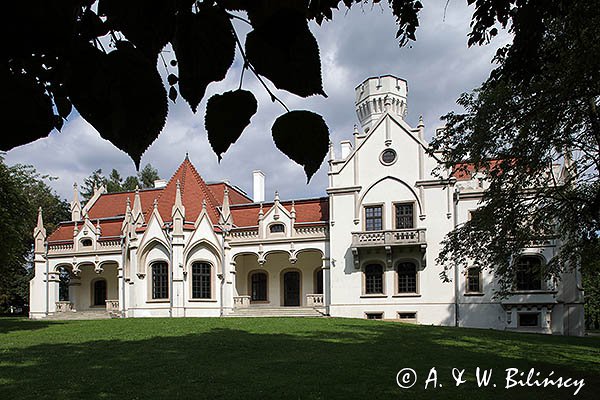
(388,156)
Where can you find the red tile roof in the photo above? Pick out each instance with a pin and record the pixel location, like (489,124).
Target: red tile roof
(465,171)
(114,204)
(193,192)
(307,210)
(236,196)
(110,208)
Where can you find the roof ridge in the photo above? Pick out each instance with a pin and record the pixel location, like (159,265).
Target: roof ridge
(151,207)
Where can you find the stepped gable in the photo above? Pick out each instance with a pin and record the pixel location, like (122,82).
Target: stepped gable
(193,191)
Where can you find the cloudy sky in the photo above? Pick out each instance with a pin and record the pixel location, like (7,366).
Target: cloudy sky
(357,44)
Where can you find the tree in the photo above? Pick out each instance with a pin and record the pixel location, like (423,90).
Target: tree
(22,191)
(92,183)
(114,182)
(538,108)
(147,176)
(131,182)
(56,58)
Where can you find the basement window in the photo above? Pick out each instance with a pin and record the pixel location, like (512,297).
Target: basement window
(529,319)
(408,317)
(374,315)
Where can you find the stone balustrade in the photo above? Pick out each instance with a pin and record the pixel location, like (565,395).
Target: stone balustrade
(112,305)
(64,306)
(396,237)
(60,247)
(241,301)
(113,243)
(314,300)
(311,230)
(244,234)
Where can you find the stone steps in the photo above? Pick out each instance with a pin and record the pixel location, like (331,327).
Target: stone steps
(79,315)
(277,312)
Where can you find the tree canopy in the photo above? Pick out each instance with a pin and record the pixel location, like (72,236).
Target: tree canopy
(115,183)
(537,112)
(22,191)
(57,61)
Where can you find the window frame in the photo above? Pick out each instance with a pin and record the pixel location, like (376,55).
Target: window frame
(380,314)
(395,211)
(538,319)
(397,276)
(517,268)
(249,284)
(270,227)
(366,218)
(211,275)
(152,297)
(365,285)
(468,291)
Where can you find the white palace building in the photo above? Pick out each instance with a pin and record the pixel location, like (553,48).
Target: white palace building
(188,248)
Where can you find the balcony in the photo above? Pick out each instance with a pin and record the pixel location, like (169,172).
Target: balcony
(388,240)
(398,237)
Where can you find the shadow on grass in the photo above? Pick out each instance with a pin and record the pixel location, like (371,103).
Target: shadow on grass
(282,359)
(11,324)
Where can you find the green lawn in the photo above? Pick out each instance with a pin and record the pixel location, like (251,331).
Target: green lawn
(275,358)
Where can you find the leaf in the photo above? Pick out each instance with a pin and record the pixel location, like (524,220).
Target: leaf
(285,51)
(226,117)
(204,45)
(121,94)
(303,136)
(148,25)
(28,111)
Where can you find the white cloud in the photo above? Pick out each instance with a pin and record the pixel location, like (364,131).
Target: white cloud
(355,45)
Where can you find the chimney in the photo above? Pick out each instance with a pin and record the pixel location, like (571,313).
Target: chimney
(258,186)
(346,148)
(160,183)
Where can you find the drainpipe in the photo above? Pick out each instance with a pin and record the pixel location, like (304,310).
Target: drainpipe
(222,277)
(122,276)
(456,307)
(47,279)
(170,239)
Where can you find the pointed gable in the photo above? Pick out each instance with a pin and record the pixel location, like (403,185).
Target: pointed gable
(193,191)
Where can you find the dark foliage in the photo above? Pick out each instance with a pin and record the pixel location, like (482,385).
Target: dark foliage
(204,44)
(304,137)
(222,130)
(56,58)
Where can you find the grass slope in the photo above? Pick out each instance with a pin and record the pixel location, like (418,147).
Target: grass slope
(274,358)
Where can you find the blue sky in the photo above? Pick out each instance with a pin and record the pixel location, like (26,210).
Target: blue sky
(357,44)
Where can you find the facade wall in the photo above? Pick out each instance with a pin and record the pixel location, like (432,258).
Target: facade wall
(362,177)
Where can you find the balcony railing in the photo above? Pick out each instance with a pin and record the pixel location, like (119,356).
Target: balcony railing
(398,237)
(314,300)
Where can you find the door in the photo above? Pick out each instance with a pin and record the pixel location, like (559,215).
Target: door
(291,288)
(100,292)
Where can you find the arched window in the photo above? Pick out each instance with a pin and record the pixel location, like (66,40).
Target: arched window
(373,279)
(160,280)
(64,279)
(529,273)
(201,280)
(407,277)
(277,228)
(86,242)
(258,290)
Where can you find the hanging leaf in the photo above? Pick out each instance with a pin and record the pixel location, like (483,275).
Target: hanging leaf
(285,51)
(121,94)
(148,25)
(303,136)
(28,111)
(226,117)
(204,45)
